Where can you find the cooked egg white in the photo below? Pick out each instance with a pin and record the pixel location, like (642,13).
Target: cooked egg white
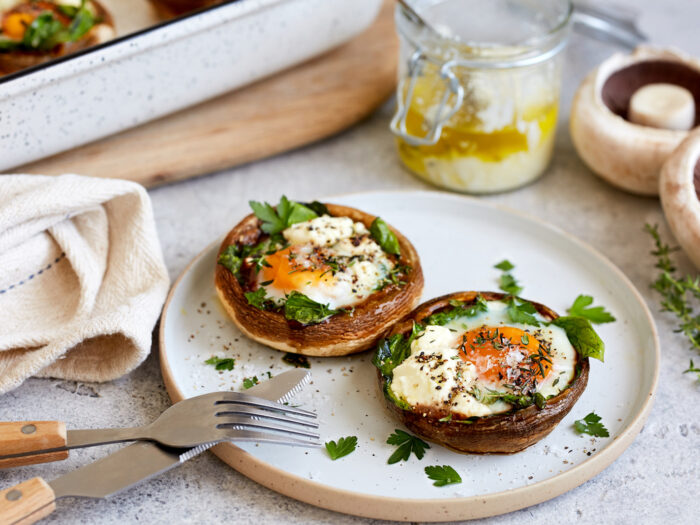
(331,260)
(457,366)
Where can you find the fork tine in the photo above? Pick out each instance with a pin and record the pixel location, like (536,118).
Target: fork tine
(237,435)
(236,422)
(245,399)
(243,410)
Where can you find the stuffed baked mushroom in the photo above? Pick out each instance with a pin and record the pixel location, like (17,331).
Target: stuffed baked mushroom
(485,372)
(36,31)
(316,279)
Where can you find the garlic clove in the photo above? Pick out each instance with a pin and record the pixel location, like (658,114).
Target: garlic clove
(664,106)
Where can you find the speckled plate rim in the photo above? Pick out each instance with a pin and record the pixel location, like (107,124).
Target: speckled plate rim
(431,510)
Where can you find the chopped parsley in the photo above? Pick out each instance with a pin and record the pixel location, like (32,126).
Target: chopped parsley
(298,307)
(386,239)
(442,475)
(591,425)
(582,336)
(221,363)
(258,298)
(407,444)
(281,217)
(233,256)
(507,282)
(343,447)
(393,277)
(250,382)
(522,312)
(296,360)
(595,314)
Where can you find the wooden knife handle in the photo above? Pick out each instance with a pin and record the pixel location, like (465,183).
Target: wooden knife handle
(27,436)
(27,502)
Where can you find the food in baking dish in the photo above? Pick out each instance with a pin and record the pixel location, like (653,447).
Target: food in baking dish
(316,279)
(485,372)
(36,31)
(179,7)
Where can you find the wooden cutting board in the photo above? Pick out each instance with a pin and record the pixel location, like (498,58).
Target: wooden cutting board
(295,107)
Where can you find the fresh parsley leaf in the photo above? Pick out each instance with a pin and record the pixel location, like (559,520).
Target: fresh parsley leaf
(460,309)
(442,475)
(384,236)
(509,284)
(343,447)
(250,382)
(257,298)
(595,314)
(299,307)
(504,265)
(591,425)
(287,213)
(221,363)
(522,312)
(582,336)
(407,443)
(296,360)
(692,369)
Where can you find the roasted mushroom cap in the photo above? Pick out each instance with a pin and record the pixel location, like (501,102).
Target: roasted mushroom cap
(505,433)
(680,191)
(13,61)
(625,154)
(341,334)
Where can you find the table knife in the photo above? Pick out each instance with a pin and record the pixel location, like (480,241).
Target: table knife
(35,499)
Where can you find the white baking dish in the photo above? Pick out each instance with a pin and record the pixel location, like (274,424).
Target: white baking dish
(159,70)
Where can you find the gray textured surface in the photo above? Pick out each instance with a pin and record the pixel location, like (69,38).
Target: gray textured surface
(656,480)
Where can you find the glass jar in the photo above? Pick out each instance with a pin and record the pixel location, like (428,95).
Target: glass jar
(478,92)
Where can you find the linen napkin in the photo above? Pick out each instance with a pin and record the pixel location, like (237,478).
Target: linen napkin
(82,278)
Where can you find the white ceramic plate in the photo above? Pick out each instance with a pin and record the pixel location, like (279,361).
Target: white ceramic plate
(459,240)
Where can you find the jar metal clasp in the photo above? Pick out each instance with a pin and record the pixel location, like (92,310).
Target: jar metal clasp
(445,110)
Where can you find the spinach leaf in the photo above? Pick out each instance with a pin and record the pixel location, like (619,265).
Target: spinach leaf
(460,309)
(582,336)
(384,236)
(299,307)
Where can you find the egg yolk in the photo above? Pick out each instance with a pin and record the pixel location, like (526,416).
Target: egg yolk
(15,25)
(493,352)
(288,273)
(16,21)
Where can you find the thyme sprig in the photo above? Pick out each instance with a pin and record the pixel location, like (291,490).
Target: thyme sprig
(678,292)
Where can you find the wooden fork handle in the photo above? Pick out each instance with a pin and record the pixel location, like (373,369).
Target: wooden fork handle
(27,502)
(28,436)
